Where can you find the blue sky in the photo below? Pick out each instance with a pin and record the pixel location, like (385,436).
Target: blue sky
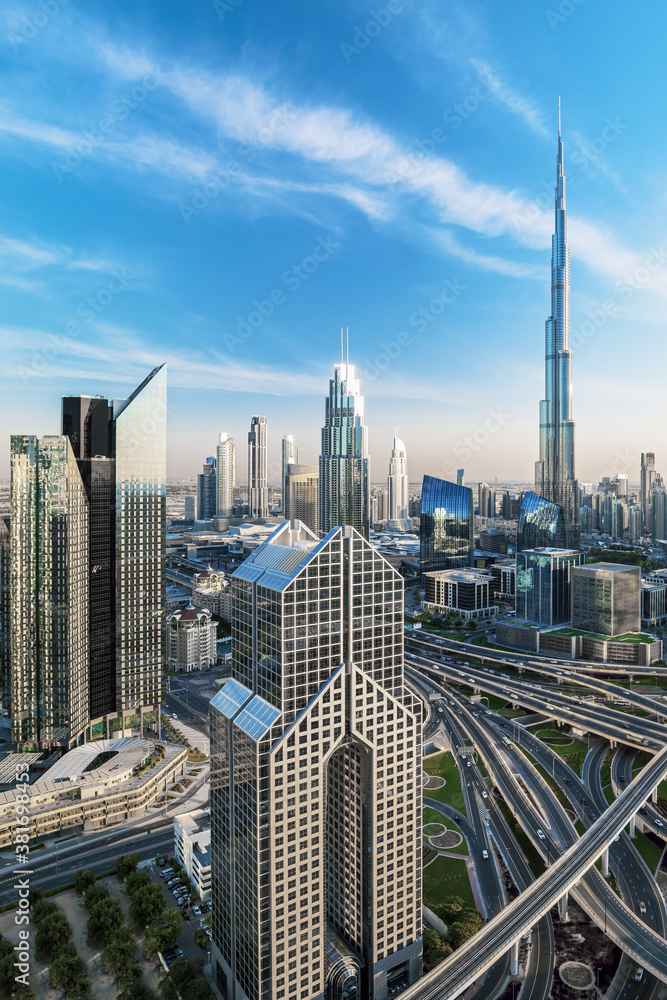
(222,185)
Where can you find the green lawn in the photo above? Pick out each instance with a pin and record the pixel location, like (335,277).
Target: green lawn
(444,765)
(447,877)
(650,852)
(433,816)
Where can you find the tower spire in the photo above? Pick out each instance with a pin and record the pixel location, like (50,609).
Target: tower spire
(559,116)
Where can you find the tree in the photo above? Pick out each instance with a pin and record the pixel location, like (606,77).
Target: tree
(126,864)
(163,933)
(136,990)
(472,625)
(105,919)
(119,954)
(83,879)
(135,881)
(42,910)
(94,895)
(201,938)
(67,970)
(7,970)
(148,904)
(460,931)
(436,948)
(52,935)
(185,977)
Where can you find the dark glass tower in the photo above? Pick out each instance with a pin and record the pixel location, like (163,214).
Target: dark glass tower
(542,524)
(87,422)
(207,500)
(554,471)
(446,525)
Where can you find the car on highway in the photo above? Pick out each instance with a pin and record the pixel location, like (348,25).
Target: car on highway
(485,855)
(642,908)
(621,777)
(659,822)
(643,811)
(541,834)
(485,795)
(639,975)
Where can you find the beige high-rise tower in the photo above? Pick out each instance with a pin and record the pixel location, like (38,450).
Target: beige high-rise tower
(315,778)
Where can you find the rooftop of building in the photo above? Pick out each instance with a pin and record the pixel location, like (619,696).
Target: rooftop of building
(608,567)
(472,574)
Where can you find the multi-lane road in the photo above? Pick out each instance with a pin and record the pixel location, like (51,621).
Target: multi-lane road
(637,920)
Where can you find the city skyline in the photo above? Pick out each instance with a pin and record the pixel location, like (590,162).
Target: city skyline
(392,197)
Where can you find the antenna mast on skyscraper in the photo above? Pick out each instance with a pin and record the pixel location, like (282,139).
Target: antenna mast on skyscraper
(341,345)
(347,347)
(559,117)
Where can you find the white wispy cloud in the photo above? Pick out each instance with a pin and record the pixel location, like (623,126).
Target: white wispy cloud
(520,106)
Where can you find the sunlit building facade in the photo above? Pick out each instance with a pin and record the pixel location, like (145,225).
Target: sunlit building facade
(258,487)
(446,525)
(344,463)
(315,778)
(398,483)
(225,475)
(290,456)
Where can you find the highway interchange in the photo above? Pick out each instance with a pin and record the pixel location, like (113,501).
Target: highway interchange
(635,918)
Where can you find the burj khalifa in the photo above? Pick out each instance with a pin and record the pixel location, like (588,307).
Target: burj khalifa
(554,472)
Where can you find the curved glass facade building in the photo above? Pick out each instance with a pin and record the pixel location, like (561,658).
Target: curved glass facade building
(542,524)
(554,470)
(446,526)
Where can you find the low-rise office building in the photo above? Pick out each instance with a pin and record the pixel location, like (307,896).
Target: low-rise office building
(468,592)
(131,777)
(192,847)
(570,644)
(654,600)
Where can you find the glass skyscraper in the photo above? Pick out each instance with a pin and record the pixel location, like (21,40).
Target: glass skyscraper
(207,500)
(316,778)
(87,588)
(344,462)
(543,584)
(446,525)
(542,524)
(554,471)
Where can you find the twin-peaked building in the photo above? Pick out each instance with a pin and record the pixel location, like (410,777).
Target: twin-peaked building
(316,778)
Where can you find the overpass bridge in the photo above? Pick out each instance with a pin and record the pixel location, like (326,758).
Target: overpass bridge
(504,931)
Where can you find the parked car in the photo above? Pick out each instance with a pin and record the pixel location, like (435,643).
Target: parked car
(196,911)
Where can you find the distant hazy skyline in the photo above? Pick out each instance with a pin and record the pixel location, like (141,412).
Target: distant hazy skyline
(221,187)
